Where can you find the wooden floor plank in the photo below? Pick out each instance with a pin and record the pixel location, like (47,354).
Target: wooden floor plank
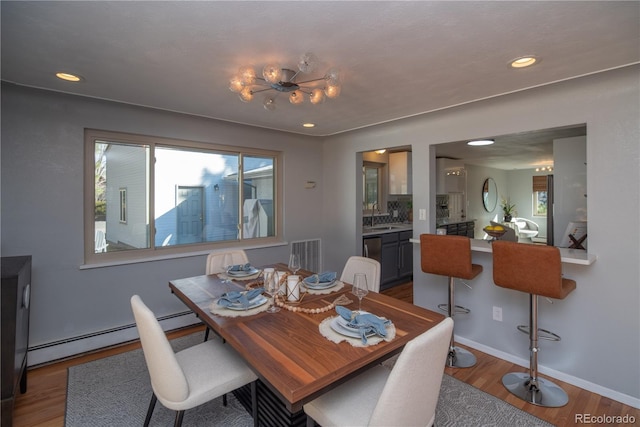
(44,403)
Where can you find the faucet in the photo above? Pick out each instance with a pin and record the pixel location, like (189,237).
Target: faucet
(373,209)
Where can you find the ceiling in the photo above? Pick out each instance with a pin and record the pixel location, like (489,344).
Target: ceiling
(397,59)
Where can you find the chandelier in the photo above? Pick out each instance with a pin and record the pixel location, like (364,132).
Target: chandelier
(246,83)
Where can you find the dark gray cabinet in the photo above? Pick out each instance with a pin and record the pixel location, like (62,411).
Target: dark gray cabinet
(461,229)
(396,258)
(16,290)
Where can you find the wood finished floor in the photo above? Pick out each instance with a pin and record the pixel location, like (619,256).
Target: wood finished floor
(44,403)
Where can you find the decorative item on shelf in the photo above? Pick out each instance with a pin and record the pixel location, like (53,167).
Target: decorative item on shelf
(246,83)
(495,231)
(508,208)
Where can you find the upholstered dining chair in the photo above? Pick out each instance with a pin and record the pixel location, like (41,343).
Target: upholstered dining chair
(406,395)
(218,261)
(358,264)
(191,377)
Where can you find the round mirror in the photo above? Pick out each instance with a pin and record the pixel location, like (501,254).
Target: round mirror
(489,194)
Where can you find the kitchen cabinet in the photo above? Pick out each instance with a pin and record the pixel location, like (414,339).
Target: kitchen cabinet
(396,258)
(16,289)
(400,179)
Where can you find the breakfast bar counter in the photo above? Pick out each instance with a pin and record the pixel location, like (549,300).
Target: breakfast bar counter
(568,256)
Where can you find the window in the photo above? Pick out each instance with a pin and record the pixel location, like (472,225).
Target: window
(540,203)
(152,196)
(372,186)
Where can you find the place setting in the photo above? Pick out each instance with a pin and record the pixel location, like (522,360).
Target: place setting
(239,272)
(240,303)
(359,328)
(322,284)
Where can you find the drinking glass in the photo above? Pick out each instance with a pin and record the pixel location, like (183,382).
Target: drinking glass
(360,288)
(228,263)
(271,286)
(294,263)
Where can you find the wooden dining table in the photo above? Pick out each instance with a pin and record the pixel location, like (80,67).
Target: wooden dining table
(293,360)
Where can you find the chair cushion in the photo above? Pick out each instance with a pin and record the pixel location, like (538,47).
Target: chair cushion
(352,403)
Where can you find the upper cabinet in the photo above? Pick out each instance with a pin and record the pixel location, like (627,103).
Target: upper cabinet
(450,176)
(400,173)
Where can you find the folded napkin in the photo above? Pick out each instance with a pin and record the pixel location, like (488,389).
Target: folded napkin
(235,297)
(241,267)
(366,323)
(327,276)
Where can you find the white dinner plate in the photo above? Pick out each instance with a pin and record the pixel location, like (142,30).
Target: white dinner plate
(319,286)
(342,329)
(256,302)
(244,273)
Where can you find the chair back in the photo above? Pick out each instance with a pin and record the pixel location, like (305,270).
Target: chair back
(218,261)
(358,264)
(410,395)
(167,378)
(447,255)
(534,269)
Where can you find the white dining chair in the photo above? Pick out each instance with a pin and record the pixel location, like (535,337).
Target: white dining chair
(218,261)
(406,395)
(358,264)
(191,377)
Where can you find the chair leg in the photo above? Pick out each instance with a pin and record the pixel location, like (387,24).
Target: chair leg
(224,399)
(458,357)
(206,334)
(152,405)
(254,402)
(529,387)
(179,415)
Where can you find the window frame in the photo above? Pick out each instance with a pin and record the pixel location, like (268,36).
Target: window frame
(172,251)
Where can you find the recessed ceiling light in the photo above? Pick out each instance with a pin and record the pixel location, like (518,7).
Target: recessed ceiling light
(69,77)
(478,142)
(381,151)
(308,125)
(524,61)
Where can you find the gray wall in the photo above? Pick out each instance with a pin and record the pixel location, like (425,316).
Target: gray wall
(42,205)
(599,322)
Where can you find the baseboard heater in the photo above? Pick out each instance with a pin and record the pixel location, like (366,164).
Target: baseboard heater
(61,349)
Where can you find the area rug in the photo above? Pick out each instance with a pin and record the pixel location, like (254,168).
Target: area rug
(115,392)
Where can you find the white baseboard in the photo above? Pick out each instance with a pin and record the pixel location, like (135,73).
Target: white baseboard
(578,382)
(71,347)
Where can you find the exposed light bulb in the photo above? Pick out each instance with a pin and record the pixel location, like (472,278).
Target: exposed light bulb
(307,62)
(269,104)
(248,75)
(272,73)
(317,96)
(296,97)
(246,94)
(236,84)
(332,91)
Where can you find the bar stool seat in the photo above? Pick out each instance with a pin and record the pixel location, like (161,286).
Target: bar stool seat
(448,255)
(536,270)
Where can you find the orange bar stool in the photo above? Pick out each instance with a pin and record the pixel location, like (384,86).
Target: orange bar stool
(536,270)
(450,256)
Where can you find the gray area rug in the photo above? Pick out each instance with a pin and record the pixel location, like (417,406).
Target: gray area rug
(115,392)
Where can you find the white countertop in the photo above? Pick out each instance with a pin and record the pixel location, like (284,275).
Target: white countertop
(569,256)
(386,228)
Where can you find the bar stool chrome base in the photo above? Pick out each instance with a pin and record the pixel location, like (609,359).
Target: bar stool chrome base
(460,358)
(545,393)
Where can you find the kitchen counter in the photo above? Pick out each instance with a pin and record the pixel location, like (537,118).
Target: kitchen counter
(569,256)
(386,228)
(449,221)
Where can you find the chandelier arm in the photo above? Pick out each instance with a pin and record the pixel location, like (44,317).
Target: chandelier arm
(311,81)
(261,90)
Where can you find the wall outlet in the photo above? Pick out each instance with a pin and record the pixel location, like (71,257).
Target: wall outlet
(422,214)
(497,313)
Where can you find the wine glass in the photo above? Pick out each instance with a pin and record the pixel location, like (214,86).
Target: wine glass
(294,263)
(228,263)
(360,288)
(271,285)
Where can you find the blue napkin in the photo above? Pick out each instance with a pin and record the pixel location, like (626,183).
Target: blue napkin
(235,297)
(241,267)
(366,323)
(327,276)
